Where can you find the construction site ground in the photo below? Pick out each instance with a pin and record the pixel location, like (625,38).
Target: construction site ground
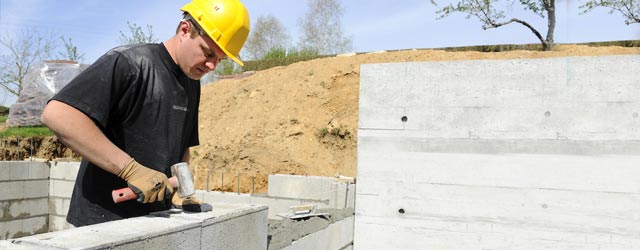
(299,119)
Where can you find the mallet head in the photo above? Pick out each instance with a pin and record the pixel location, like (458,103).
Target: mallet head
(185,179)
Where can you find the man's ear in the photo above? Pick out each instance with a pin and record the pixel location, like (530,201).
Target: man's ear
(185,28)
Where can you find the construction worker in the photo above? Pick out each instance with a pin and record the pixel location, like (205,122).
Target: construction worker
(134,113)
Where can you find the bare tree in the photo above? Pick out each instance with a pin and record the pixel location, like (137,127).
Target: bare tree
(71,51)
(491,17)
(322,28)
(630,9)
(25,50)
(137,36)
(266,33)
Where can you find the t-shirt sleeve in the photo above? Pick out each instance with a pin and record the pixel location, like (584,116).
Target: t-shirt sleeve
(100,87)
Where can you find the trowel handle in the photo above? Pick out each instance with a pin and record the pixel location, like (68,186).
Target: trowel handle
(125,194)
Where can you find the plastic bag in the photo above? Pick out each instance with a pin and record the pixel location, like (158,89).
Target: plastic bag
(41,83)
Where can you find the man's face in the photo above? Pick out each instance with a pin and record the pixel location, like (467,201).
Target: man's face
(199,54)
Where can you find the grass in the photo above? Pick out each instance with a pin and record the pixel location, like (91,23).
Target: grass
(322,132)
(26,132)
(3,118)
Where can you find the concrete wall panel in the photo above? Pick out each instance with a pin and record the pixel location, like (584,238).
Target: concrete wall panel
(528,98)
(499,154)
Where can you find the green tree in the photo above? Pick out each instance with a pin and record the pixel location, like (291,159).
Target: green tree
(137,35)
(266,33)
(322,28)
(71,50)
(492,17)
(630,9)
(26,49)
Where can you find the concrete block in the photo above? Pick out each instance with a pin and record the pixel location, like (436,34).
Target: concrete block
(188,238)
(4,209)
(22,170)
(164,230)
(36,189)
(10,229)
(19,170)
(338,235)
(15,228)
(38,170)
(4,244)
(35,225)
(64,170)
(55,206)
(66,203)
(306,187)
(277,205)
(58,223)
(11,190)
(5,172)
(61,188)
(27,208)
(236,232)
(118,234)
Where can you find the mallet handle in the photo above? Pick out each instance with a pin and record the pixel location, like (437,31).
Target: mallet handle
(125,194)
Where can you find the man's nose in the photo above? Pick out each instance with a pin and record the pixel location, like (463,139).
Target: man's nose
(211,65)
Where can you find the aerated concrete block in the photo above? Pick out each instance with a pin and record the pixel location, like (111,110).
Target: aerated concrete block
(27,208)
(8,229)
(58,222)
(231,228)
(23,170)
(61,188)
(64,170)
(276,205)
(311,188)
(11,190)
(338,235)
(38,170)
(165,230)
(36,189)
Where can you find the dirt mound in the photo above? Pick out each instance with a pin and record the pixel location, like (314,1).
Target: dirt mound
(302,119)
(46,148)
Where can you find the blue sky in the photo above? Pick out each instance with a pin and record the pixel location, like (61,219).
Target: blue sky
(372,25)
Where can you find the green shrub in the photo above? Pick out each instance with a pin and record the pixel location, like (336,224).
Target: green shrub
(4,111)
(227,67)
(275,53)
(281,57)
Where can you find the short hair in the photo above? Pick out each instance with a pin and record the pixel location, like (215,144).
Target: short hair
(195,30)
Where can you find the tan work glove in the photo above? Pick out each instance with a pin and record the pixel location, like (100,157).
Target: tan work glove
(150,185)
(190,203)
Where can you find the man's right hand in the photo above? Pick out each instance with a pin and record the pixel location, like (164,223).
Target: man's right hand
(150,185)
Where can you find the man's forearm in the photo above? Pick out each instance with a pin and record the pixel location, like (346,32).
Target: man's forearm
(78,132)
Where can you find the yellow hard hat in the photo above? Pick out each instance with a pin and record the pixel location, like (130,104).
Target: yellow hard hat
(225,21)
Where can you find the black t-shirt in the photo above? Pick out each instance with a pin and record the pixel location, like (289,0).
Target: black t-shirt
(144,104)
